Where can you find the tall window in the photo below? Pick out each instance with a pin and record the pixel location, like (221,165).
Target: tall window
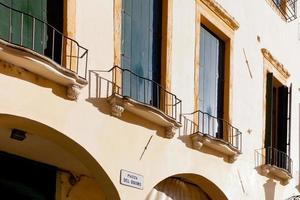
(211,81)
(277,122)
(141,49)
(29,32)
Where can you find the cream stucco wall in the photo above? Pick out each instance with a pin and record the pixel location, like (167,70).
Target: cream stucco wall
(119,143)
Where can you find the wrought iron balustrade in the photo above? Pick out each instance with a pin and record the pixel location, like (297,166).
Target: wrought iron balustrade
(212,126)
(273,157)
(279,159)
(125,83)
(27,31)
(288,8)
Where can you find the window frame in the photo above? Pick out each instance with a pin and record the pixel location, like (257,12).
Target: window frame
(280,74)
(219,22)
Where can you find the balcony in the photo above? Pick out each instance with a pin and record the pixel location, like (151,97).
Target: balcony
(36,46)
(287,8)
(214,133)
(274,163)
(127,91)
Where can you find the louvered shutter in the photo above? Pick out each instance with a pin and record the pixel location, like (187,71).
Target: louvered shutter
(4,22)
(282,118)
(269,106)
(268,124)
(141,47)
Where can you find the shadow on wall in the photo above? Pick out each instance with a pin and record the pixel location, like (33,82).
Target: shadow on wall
(104,107)
(269,188)
(260,163)
(22,74)
(101,89)
(184,136)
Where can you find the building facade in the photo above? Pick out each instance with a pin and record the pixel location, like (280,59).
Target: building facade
(149,99)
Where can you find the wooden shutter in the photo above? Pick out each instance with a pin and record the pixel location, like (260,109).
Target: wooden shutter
(211,81)
(209,72)
(282,118)
(289,120)
(35,8)
(4,22)
(141,47)
(126,34)
(126,45)
(269,106)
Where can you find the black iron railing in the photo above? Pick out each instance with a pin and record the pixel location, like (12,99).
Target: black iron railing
(125,83)
(25,30)
(288,8)
(206,124)
(279,159)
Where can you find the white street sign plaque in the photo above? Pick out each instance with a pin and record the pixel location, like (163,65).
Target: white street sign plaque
(131,179)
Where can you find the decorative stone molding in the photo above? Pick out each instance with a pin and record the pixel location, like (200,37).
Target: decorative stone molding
(199,140)
(119,104)
(277,172)
(222,13)
(277,65)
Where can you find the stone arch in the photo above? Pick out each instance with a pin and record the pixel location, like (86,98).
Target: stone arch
(187,183)
(46,132)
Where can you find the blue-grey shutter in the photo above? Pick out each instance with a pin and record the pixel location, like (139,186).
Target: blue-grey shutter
(37,8)
(32,7)
(211,82)
(141,43)
(5,21)
(126,45)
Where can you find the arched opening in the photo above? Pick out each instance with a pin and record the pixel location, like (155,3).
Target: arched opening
(77,173)
(186,186)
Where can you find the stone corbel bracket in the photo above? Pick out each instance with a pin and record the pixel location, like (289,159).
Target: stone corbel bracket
(119,104)
(283,175)
(73,92)
(200,140)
